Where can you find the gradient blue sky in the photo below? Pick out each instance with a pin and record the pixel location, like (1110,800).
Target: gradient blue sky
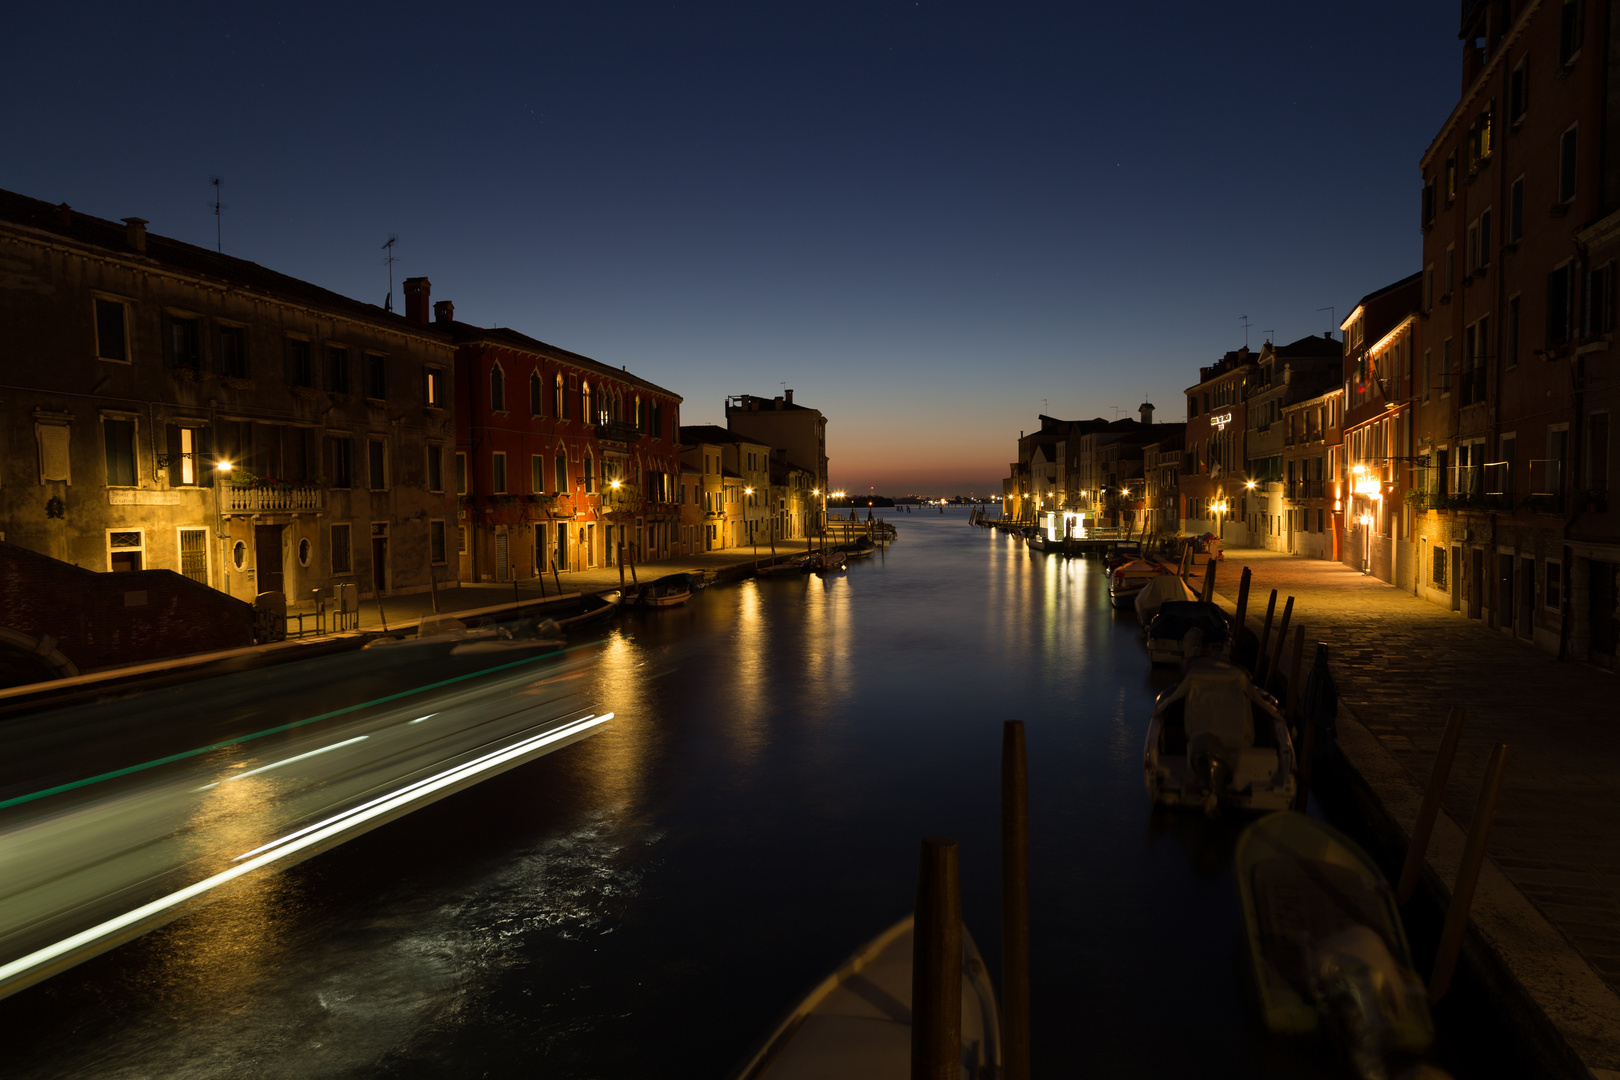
(925,218)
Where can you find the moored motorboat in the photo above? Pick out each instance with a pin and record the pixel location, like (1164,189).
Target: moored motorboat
(1039,541)
(861,548)
(667,591)
(857,1022)
(1326,944)
(1216,739)
(1167,635)
(1122,552)
(794,567)
(1158,590)
(1128,579)
(822,561)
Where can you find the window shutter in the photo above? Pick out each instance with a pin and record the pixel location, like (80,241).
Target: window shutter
(53,452)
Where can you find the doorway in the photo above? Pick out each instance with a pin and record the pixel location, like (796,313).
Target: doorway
(379,557)
(1476,583)
(503,557)
(267,558)
(1527,597)
(562,545)
(1456,577)
(1504,592)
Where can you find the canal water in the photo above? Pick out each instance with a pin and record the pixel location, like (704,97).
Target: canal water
(648,902)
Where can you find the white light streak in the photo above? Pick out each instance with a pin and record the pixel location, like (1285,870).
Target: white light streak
(300,757)
(429,716)
(292,843)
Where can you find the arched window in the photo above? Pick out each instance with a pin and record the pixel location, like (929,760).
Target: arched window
(497,389)
(560,405)
(638,412)
(535,388)
(585,412)
(590,479)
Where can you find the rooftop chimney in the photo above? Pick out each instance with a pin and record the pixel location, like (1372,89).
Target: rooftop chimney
(444,311)
(417,290)
(1328,334)
(135,233)
(66,213)
(1147,414)
(789,393)
(777,401)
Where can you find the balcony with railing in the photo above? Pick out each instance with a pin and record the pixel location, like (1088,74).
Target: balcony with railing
(617,431)
(273,499)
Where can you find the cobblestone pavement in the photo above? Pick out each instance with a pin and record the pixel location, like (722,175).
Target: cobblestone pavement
(1401,663)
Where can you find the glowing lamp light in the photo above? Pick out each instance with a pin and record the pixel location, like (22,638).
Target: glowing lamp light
(614,485)
(1124,491)
(748,491)
(1249,484)
(223,466)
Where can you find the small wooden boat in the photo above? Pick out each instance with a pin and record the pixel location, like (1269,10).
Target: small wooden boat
(859,549)
(1122,552)
(1128,579)
(1326,944)
(594,608)
(857,1022)
(667,591)
(794,567)
(1039,541)
(1157,591)
(1216,739)
(822,561)
(1167,634)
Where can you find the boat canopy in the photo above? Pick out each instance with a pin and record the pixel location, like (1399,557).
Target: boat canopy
(1218,703)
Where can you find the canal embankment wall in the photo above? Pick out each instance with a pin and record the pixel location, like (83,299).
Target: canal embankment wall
(1544,964)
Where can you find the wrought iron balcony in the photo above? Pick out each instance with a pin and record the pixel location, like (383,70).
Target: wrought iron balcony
(617,431)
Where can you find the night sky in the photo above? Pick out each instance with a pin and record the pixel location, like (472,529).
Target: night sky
(932,221)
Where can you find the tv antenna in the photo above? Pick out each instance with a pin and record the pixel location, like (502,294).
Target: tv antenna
(1245,320)
(1116,411)
(219,233)
(1333,314)
(390,259)
(1271,335)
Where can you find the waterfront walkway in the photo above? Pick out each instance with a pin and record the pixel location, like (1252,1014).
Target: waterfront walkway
(474,596)
(1401,663)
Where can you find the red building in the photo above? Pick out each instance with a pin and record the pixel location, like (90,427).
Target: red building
(1520,217)
(1212,476)
(561,461)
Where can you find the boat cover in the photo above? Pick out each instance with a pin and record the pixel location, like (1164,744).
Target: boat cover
(1176,617)
(1218,703)
(1157,591)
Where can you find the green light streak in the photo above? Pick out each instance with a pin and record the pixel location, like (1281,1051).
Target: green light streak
(58,789)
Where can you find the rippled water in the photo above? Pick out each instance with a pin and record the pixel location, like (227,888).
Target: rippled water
(648,902)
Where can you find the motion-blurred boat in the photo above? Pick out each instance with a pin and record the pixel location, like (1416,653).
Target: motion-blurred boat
(524,635)
(1326,944)
(857,1023)
(1216,739)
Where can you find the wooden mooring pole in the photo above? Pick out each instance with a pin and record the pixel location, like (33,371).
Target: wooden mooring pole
(1265,637)
(1208,595)
(1462,893)
(1282,639)
(1423,829)
(1238,623)
(1014,903)
(1295,691)
(936,964)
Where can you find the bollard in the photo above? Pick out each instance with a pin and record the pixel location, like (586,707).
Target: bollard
(514,589)
(1282,637)
(1014,903)
(1462,893)
(1265,637)
(936,964)
(555,577)
(1209,582)
(1238,621)
(1423,829)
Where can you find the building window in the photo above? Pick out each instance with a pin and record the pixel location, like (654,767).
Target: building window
(337,369)
(1450,281)
(120,440)
(585,411)
(377,464)
(181,344)
(1558,305)
(1510,335)
(300,363)
(497,389)
(1428,287)
(1598,310)
(1482,257)
(1597,452)
(561,475)
(112,330)
(342,461)
(537,474)
(498,472)
(194,554)
(1507,452)
(1445,367)
(1439,571)
(436,552)
(1552,585)
(1571,26)
(1428,204)
(1519,91)
(188,451)
(461,538)
(1568,158)
(1516,211)
(560,403)
(435,467)
(233,353)
(434,388)
(125,548)
(1451,178)
(461,473)
(376,377)
(536,406)
(342,551)
(590,476)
